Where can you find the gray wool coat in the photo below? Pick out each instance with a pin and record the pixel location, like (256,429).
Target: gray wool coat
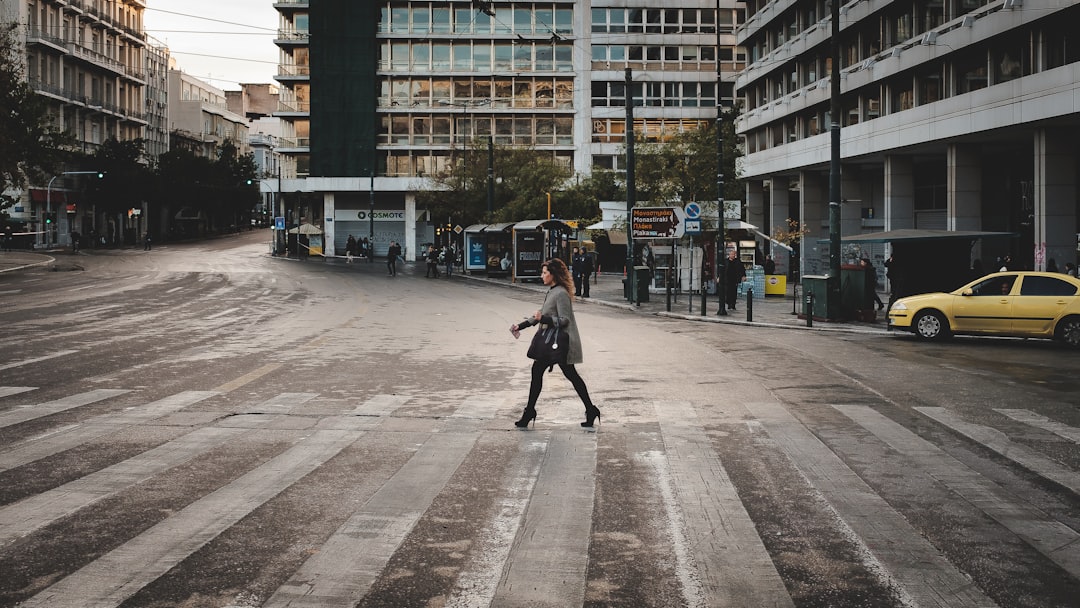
(557,304)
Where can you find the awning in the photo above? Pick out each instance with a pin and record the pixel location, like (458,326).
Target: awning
(914,234)
(547,224)
(501,227)
(305,229)
(739,225)
(476,228)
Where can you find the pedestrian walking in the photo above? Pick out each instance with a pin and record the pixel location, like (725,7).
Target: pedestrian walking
(870,296)
(392,254)
(557,311)
(736,272)
(146,241)
(432,258)
(448,260)
(1070,269)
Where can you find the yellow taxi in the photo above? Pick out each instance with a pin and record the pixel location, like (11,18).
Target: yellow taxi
(1022,304)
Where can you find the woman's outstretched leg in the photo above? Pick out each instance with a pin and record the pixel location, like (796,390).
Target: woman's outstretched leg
(591,411)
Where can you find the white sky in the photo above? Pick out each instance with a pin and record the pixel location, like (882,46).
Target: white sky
(208,38)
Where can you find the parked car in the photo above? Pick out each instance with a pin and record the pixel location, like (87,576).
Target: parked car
(1022,304)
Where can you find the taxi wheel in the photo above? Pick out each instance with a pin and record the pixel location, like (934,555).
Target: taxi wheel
(931,325)
(1068,331)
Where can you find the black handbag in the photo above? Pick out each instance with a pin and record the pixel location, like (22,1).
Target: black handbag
(550,344)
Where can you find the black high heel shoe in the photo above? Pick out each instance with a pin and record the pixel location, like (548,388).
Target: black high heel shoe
(527,416)
(591,413)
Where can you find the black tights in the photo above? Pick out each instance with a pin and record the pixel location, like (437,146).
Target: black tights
(571,374)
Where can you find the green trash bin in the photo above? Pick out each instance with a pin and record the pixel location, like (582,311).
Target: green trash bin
(643,276)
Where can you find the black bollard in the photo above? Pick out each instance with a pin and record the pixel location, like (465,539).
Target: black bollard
(750,305)
(809,309)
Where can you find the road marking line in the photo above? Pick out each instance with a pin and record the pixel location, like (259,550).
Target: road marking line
(481,407)
(353,557)
(889,542)
(726,557)
(282,400)
(1052,538)
(7,391)
(119,574)
(22,518)
(1001,444)
(227,311)
(10,292)
(30,412)
(37,359)
(175,289)
(380,405)
(1042,422)
(478,581)
(248,377)
(548,561)
(72,436)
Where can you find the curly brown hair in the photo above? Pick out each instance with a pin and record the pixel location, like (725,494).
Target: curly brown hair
(558,270)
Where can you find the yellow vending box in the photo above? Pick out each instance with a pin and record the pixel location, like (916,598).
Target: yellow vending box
(775,285)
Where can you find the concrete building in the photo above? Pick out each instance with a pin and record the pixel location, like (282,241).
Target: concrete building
(199,117)
(956,115)
(87,60)
(258,103)
(375,96)
(156,134)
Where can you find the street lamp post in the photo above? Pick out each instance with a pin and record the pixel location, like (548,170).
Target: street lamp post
(371,218)
(721,222)
(48,197)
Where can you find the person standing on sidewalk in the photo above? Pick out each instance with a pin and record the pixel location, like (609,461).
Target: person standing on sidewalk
(576,263)
(391,258)
(736,272)
(586,271)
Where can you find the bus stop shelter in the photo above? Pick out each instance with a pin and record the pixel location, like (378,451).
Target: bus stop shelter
(925,261)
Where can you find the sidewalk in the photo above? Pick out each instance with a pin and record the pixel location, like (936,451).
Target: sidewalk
(607,290)
(11,261)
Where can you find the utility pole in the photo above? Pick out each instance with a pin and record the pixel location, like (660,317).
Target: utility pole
(631,191)
(721,221)
(834,166)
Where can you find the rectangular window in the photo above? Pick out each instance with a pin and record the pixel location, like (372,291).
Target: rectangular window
(482,56)
(462,56)
(440,20)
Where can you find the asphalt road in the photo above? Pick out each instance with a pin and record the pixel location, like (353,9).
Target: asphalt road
(204,425)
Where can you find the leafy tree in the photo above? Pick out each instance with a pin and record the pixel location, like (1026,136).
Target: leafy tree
(125,184)
(683,169)
(524,177)
(32,146)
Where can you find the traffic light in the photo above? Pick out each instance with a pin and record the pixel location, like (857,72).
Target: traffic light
(49,217)
(101,175)
(249,182)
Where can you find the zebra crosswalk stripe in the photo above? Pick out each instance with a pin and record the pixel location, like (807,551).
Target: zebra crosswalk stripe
(97,426)
(885,536)
(1042,422)
(731,562)
(1000,443)
(352,558)
(40,410)
(120,573)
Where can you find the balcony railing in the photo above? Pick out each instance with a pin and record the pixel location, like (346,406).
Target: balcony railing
(291,105)
(285,69)
(293,35)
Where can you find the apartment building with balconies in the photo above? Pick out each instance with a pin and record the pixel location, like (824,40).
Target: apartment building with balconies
(955,115)
(377,96)
(200,119)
